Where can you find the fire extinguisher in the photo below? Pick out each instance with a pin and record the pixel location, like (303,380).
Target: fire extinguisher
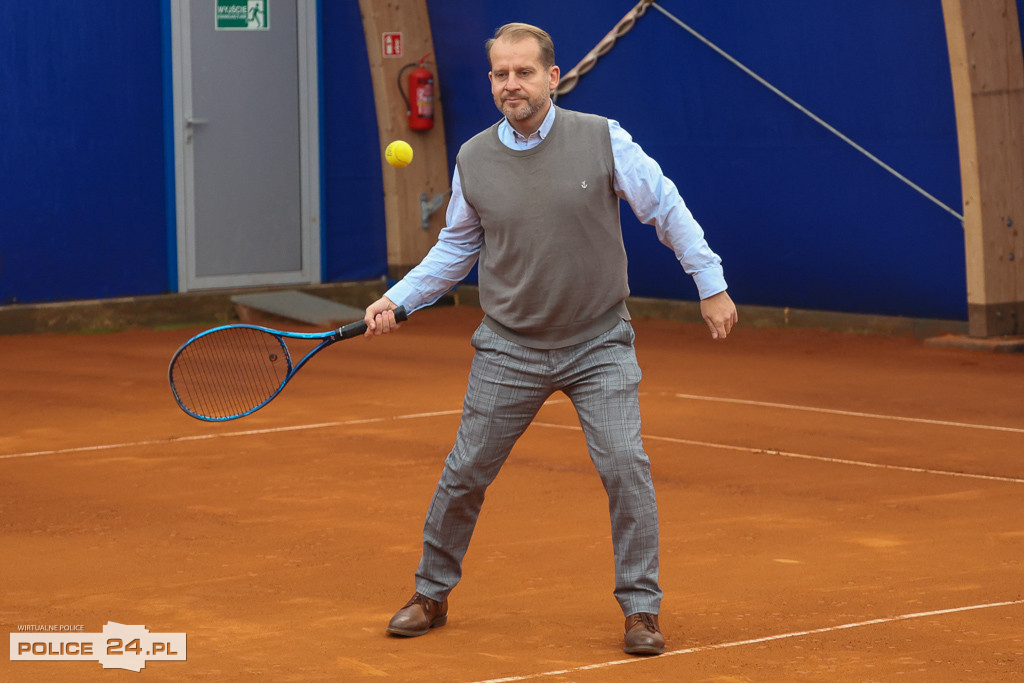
(419,103)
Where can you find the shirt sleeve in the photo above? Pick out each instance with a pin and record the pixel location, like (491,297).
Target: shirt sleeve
(656,201)
(448,261)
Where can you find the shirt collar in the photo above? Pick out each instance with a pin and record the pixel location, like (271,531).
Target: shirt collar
(537,136)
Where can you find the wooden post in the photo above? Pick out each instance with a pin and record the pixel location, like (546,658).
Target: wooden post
(988,89)
(427,175)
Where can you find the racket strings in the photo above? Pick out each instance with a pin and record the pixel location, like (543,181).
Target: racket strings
(230,372)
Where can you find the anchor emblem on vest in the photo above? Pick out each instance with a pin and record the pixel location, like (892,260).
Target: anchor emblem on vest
(584,184)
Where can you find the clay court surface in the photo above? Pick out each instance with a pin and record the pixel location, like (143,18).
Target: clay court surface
(833,508)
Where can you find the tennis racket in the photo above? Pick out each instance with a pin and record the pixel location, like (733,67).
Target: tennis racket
(232,371)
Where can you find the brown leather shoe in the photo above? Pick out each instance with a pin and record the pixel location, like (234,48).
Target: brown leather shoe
(418,616)
(643,636)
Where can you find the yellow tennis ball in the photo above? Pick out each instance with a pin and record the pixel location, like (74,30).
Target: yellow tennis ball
(398,153)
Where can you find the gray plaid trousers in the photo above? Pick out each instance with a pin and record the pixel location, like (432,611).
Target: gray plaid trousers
(508,384)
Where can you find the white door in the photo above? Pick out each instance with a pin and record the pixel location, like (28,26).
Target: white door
(246,141)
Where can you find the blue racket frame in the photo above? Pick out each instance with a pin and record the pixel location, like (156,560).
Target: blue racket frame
(349,331)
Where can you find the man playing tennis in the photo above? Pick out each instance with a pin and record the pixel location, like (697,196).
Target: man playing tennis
(535,198)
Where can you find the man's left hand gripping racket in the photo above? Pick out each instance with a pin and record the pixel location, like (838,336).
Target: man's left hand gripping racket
(234,370)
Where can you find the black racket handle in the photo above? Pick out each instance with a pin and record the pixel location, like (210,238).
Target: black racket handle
(359,327)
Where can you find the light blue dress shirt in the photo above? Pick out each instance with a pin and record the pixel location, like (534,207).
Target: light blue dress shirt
(638,180)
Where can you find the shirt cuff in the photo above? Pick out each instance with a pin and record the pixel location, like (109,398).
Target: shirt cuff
(402,294)
(709,282)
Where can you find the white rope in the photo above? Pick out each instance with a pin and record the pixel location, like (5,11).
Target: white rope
(803,109)
(625,25)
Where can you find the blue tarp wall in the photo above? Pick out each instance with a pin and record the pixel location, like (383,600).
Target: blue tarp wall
(800,219)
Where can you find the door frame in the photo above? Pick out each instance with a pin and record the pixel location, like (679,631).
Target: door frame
(309,155)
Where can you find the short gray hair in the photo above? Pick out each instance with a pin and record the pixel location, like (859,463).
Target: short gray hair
(517,31)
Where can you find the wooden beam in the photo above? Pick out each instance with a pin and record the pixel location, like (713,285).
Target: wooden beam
(427,175)
(988,90)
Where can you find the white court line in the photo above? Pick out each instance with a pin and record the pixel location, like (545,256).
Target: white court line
(850,413)
(221,435)
(414,416)
(804,456)
(755,641)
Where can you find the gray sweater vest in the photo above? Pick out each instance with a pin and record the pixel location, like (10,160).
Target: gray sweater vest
(552,269)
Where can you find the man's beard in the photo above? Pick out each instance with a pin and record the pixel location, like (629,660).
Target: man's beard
(525,111)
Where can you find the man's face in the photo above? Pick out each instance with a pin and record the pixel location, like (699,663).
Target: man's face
(521,85)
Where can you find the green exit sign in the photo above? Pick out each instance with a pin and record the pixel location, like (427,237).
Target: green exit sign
(242,15)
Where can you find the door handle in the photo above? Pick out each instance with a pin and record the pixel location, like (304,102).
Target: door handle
(189,121)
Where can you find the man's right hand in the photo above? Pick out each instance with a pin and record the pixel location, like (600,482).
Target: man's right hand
(379,318)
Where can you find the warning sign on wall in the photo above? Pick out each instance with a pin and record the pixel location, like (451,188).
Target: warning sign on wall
(392,43)
(243,15)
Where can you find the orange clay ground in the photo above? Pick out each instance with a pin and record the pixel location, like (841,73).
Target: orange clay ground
(833,508)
